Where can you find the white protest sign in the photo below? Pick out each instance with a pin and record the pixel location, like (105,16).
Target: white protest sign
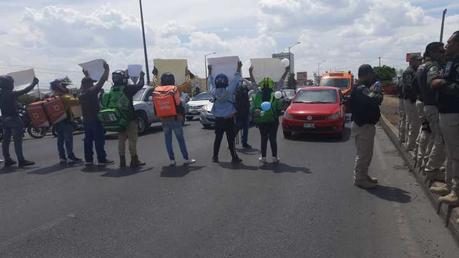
(224,65)
(134,70)
(23,78)
(177,67)
(267,67)
(95,68)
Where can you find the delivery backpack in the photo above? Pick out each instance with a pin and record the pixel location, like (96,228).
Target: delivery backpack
(166,101)
(46,112)
(114,114)
(269,115)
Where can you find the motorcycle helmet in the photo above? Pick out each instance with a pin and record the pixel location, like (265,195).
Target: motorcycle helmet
(221,81)
(120,77)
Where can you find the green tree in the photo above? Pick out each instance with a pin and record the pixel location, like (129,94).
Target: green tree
(385,73)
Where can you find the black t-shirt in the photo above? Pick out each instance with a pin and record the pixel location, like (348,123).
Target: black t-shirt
(90,106)
(130,91)
(9,101)
(365,105)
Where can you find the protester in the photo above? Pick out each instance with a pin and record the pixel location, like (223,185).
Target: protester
(410,94)
(64,129)
(175,123)
(429,70)
(268,121)
(224,110)
(243,113)
(120,83)
(448,106)
(365,101)
(94,132)
(12,123)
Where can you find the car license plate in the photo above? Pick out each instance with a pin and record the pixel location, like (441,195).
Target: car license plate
(309,125)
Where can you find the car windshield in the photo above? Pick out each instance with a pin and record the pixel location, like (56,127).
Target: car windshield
(289,93)
(202,96)
(316,96)
(335,82)
(138,96)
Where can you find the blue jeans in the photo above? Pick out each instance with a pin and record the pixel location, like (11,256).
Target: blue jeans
(94,132)
(64,132)
(12,126)
(242,123)
(174,125)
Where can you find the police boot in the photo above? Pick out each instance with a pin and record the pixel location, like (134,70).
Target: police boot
(122,161)
(451,198)
(135,162)
(440,190)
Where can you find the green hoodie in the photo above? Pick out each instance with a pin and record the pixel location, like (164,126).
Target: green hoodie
(271,115)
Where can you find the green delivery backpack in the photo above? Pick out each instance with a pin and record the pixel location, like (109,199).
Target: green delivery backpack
(114,113)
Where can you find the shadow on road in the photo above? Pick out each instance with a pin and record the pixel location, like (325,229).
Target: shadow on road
(284,168)
(240,166)
(323,138)
(52,169)
(123,172)
(9,170)
(179,171)
(390,193)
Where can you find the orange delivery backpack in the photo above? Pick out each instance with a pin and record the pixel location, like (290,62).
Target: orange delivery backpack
(166,101)
(47,112)
(37,114)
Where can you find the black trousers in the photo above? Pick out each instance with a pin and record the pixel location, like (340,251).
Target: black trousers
(268,131)
(225,125)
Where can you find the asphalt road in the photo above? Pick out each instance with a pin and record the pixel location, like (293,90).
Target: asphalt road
(304,207)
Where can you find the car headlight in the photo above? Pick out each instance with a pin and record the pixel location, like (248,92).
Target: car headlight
(288,115)
(335,116)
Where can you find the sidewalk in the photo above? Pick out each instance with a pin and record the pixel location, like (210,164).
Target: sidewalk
(389,122)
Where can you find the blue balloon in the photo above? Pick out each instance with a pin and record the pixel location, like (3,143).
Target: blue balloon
(265,106)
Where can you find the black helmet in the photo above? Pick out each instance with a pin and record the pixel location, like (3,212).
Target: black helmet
(167,79)
(221,81)
(6,83)
(120,77)
(54,85)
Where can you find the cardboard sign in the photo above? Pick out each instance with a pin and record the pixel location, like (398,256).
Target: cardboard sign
(134,70)
(177,67)
(224,65)
(23,78)
(267,67)
(95,68)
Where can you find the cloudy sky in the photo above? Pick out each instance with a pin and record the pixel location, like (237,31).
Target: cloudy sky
(53,36)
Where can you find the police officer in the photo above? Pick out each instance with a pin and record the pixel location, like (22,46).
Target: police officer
(401,112)
(410,94)
(365,101)
(448,107)
(433,58)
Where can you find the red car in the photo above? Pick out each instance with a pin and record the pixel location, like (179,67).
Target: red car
(316,110)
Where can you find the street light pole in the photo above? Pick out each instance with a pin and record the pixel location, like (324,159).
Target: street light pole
(290,54)
(443,24)
(205,66)
(144,44)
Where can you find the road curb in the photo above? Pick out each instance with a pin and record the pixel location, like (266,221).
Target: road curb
(392,133)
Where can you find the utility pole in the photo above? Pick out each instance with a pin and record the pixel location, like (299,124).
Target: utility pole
(144,45)
(205,66)
(379,61)
(442,24)
(290,55)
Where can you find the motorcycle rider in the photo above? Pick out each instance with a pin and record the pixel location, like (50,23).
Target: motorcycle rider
(12,123)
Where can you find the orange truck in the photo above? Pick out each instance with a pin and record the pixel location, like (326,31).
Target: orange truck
(342,80)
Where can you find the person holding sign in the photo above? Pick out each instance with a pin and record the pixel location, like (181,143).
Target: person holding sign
(64,129)
(12,123)
(224,110)
(94,132)
(266,109)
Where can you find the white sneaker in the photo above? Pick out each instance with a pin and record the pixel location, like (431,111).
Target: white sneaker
(276,160)
(262,160)
(189,161)
(172,163)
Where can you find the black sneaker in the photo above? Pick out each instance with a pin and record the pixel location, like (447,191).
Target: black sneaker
(89,164)
(215,159)
(25,163)
(247,146)
(75,160)
(106,162)
(9,163)
(236,160)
